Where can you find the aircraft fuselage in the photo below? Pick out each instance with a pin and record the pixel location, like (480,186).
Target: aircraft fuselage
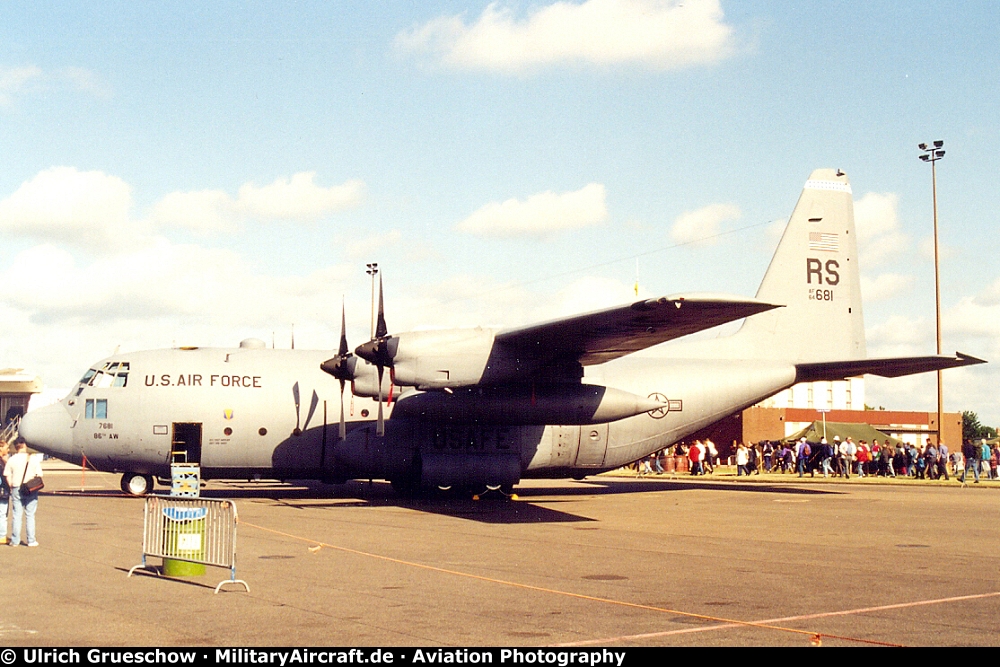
(244,413)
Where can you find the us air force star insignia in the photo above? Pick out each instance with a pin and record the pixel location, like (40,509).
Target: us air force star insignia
(659,413)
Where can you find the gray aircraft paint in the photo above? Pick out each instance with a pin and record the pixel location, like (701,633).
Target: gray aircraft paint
(282,411)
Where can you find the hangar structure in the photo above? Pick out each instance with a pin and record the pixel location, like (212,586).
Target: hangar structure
(16,390)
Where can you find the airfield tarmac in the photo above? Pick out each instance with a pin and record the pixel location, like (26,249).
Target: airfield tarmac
(608,561)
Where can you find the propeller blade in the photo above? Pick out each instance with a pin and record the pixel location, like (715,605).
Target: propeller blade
(343,330)
(343,422)
(298,416)
(313,404)
(380,426)
(380,328)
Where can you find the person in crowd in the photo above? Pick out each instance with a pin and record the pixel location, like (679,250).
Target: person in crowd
(886,461)
(644,467)
(754,464)
(957,462)
(863,456)
(767,450)
(711,456)
(848,453)
(912,459)
(4,491)
(930,460)
(942,461)
(742,459)
(20,468)
(837,468)
(971,455)
(826,457)
(985,454)
(695,455)
(802,454)
(874,466)
(787,458)
(899,463)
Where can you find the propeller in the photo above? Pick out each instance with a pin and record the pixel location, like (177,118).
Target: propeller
(341,367)
(379,351)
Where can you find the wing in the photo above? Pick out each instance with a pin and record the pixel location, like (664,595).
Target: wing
(889,367)
(601,336)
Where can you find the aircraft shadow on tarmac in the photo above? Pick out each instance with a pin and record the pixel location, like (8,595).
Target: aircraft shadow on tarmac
(534,504)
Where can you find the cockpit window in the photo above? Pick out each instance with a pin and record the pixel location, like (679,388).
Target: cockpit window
(86,376)
(112,374)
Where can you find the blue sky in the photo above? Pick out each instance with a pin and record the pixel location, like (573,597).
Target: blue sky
(198,174)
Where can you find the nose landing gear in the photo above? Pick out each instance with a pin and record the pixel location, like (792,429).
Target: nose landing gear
(136,484)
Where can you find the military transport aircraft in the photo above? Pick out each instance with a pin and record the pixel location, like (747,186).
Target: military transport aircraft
(482,408)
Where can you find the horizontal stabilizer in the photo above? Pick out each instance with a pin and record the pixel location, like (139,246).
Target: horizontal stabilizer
(890,367)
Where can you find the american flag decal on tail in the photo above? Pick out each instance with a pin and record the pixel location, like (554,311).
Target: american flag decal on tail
(823,242)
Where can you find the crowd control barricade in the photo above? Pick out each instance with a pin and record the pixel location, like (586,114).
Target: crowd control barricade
(195,530)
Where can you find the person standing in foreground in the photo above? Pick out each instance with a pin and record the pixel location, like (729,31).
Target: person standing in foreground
(4,491)
(19,469)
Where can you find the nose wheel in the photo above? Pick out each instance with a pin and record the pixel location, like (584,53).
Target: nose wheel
(135,484)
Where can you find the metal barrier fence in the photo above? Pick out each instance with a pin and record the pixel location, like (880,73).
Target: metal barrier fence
(195,530)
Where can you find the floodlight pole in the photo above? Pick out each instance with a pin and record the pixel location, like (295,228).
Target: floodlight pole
(932,153)
(372,271)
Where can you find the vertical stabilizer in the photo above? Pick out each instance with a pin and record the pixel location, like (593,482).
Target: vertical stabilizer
(814,274)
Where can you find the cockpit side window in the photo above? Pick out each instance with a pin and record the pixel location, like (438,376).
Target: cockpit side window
(86,376)
(96,409)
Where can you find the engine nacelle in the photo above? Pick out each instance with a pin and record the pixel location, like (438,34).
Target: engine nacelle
(565,404)
(365,381)
(441,359)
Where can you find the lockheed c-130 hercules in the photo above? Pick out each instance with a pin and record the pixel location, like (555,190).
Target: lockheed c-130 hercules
(483,408)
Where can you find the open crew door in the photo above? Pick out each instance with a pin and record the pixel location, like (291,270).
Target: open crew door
(186,443)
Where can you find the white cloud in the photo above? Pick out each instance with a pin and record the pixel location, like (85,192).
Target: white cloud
(82,208)
(93,210)
(876,217)
(588,294)
(160,282)
(203,211)
(13,79)
(297,198)
(900,335)
(540,215)
(367,246)
(661,34)
(704,224)
(885,286)
(85,80)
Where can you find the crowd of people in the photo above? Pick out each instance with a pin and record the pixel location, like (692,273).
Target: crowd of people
(838,458)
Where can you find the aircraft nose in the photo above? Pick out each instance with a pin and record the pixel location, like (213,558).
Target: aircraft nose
(49,430)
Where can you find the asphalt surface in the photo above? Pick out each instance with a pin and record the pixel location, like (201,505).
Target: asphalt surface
(608,561)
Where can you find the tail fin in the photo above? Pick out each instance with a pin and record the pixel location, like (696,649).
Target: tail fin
(814,274)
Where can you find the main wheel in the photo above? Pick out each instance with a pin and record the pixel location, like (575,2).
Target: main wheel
(136,484)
